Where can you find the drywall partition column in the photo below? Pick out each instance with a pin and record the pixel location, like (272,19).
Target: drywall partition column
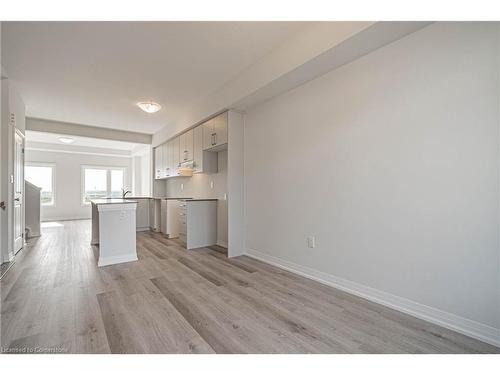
(235,185)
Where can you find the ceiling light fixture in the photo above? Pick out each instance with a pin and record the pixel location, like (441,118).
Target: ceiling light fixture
(66,140)
(149,107)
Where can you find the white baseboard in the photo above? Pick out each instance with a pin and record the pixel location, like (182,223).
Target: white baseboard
(116,259)
(142,229)
(488,334)
(222,244)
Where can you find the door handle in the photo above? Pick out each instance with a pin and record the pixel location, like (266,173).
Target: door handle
(2,205)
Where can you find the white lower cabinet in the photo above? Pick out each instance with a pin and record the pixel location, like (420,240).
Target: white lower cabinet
(154,214)
(142,214)
(169,217)
(198,223)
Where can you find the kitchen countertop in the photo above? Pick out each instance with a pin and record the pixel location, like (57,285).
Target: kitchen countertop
(159,198)
(111,201)
(196,199)
(184,199)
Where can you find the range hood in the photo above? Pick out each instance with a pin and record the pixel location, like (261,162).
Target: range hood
(185,169)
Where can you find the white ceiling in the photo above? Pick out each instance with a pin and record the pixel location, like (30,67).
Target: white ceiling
(93,73)
(52,138)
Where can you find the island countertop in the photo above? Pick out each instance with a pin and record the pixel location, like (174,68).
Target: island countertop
(111,201)
(157,198)
(196,199)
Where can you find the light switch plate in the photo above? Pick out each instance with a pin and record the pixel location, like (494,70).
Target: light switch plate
(211,184)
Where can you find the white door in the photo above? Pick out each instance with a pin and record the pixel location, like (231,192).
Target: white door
(18,192)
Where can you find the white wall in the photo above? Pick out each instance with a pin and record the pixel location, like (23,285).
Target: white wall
(68,181)
(199,186)
(392,162)
(141,174)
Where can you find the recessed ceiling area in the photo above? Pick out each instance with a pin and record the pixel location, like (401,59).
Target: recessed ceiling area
(94,73)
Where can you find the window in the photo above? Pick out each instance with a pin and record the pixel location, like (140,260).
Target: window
(101,182)
(43,176)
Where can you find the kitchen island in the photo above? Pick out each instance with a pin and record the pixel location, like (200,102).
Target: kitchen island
(114,230)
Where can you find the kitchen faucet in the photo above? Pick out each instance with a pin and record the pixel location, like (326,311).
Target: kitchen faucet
(124,193)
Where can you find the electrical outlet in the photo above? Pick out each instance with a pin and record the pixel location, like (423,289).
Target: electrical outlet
(182,187)
(211,184)
(311,242)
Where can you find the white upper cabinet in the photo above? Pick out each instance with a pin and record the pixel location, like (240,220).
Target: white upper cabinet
(196,145)
(173,160)
(221,129)
(203,161)
(158,162)
(208,134)
(186,146)
(215,133)
(165,157)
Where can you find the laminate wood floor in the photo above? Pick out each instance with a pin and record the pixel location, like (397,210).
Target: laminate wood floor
(55,299)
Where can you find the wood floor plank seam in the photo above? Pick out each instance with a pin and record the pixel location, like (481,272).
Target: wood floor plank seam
(174,300)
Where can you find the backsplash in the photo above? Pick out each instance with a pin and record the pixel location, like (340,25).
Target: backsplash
(200,186)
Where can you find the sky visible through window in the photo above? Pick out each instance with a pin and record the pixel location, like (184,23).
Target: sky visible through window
(96,183)
(41,176)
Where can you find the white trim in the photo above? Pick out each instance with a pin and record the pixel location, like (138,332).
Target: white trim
(116,259)
(483,332)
